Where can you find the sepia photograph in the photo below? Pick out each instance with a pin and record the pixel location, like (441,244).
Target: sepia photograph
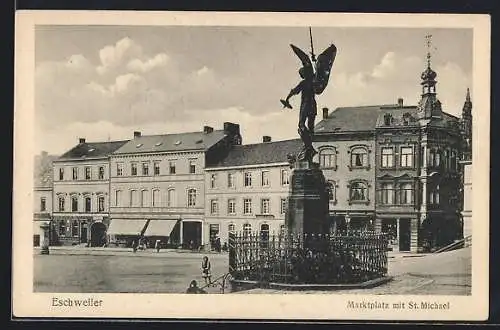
(230,154)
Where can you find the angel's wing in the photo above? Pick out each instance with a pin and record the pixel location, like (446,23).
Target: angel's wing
(304,58)
(323,68)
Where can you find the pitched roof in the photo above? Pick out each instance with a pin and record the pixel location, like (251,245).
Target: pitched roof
(368,118)
(92,150)
(351,119)
(398,115)
(260,153)
(172,142)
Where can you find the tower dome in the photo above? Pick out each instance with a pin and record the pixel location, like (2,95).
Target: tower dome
(428,75)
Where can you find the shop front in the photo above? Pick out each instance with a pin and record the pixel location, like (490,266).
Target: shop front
(162,230)
(122,232)
(74,230)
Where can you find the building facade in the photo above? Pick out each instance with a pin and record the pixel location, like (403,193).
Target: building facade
(345,141)
(158,185)
(395,168)
(81,194)
(247,191)
(42,194)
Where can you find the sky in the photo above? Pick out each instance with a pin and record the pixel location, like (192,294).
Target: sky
(105,82)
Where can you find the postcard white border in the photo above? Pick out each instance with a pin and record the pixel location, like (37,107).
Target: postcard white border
(288,307)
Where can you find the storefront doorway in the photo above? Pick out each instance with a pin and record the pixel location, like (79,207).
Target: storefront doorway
(83,232)
(191,234)
(97,234)
(404,235)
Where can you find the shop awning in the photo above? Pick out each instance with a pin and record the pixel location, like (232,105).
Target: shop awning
(160,227)
(126,226)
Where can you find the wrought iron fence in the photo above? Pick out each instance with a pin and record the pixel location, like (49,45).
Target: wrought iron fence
(347,257)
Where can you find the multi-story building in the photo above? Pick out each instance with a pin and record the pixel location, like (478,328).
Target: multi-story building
(345,140)
(158,185)
(42,194)
(81,193)
(247,191)
(395,168)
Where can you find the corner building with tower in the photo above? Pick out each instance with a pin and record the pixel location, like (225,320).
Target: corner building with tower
(395,168)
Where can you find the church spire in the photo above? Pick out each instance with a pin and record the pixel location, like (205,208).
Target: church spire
(466,122)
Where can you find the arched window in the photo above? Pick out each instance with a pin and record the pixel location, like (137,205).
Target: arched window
(88,204)
(144,198)
(156,197)
(358,191)
(118,198)
(61,203)
(74,203)
(231,228)
(359,157)
(406,193)
(247,229)
(134,198)
(100,204)
(191,197)
(171,197)
(328,157)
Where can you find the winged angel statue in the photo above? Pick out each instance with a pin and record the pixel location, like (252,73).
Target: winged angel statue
(314,81)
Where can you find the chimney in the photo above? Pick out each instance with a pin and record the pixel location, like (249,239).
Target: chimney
(137,134)
(81,140)
(207,129)
(266,138)
(325,113)
(231,128)
(400,102)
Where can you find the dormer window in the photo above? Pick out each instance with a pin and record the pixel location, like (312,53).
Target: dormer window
(387,119)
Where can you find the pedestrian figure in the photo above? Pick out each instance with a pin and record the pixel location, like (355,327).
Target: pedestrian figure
(157,245)
(134,245)
(194,289)
(205,270)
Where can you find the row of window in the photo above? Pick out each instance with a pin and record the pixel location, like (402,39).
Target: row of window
(247,229)
(247,206)
(142,198)
(402,194)
(74,206)
(405,157)
(72,225)
(358,191)
(145,168)
(87,173)
(249,180)
(447,159)
(359,157)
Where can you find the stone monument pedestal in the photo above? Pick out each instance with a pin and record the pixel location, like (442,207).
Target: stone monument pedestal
(44,239)
(307,201)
